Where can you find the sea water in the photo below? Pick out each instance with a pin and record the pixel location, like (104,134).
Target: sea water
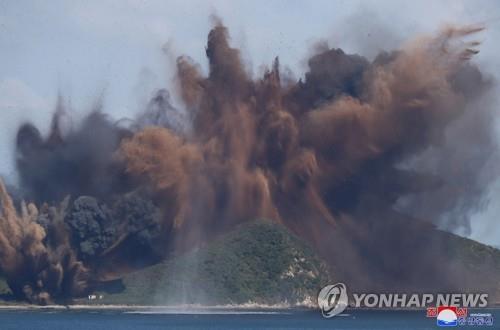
(220,319)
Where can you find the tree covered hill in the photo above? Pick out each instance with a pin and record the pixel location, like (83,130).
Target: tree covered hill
(260,262)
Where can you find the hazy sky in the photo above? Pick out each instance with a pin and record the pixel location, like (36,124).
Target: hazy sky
(115,48)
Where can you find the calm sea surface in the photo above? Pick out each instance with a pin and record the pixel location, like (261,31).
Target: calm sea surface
(226,319)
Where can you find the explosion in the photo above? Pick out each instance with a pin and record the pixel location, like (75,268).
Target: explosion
(331,157)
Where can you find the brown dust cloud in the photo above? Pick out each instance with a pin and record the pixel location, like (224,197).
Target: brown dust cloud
(361,158)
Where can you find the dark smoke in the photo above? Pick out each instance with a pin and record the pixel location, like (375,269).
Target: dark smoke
(80,163)
(330,157)
(125,232)
(464,161)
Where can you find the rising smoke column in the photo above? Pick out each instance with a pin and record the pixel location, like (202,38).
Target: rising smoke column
(37,267)
(320,147)
(323,156)
(101,224)
(81,162)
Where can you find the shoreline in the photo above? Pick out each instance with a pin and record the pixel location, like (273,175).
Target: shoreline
(196,309)
(154,307)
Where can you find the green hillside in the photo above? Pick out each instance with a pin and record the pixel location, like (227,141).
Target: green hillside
(258,262)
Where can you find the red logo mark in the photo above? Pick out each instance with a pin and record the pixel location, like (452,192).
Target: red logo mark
(461,311)
(432,312)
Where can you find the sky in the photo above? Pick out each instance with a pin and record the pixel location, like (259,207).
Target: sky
(120,51)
